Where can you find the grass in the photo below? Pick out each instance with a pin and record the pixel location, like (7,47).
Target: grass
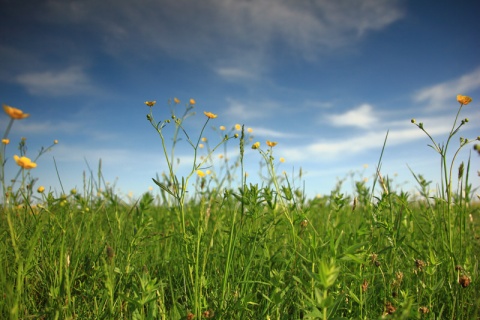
(252,251)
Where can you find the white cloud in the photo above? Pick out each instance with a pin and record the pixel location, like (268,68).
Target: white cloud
(330,150)
(70,81)
(244,111)
(362,117)
(191,29)
(234,73)
(443,95)
(271,134)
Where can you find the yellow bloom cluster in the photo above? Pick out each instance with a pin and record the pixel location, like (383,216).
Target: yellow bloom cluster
(271,143)
(15,113)
(210,115)
(24,162)
(256,145)
(150,103)
(464,99)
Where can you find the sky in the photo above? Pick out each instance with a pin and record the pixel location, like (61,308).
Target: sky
(325,79)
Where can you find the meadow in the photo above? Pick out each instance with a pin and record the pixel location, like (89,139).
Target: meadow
(210,245)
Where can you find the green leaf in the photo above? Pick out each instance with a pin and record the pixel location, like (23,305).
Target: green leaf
(163,187)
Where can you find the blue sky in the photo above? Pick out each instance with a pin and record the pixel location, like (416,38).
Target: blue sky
(325,79)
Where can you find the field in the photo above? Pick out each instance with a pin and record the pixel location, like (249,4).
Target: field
(213,246)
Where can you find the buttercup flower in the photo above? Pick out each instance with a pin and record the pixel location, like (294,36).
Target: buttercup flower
(271,143)
(176,101)
(41,189)
(200,173)
(24,162)
(192,101)
(201,145)
(249,130)
(5,141)
(210,115)
(15,113)
(55,141)
(238,127)
(464,99)
(150,103)
(282,159)
(222,128)
(204,139)
(256,145)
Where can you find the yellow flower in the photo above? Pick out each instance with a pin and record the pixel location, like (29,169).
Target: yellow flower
(55,141)
(256,145)
(204,139)
(222,128)
(282,159)
(271,143)
(24,162)
(238,127)
(200,173)
(15,113)
(150,103)
(464,99)
(5,141)
(192,101)
(41,189)
(208,172)
(201,145)
(176,100)
(210,115)
(249,130)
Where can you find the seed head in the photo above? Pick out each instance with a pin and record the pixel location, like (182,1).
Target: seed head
(389,308)
(419,264)
(110,253)
(464,281)
(423,310)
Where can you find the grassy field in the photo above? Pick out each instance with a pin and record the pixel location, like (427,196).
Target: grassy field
(228,249)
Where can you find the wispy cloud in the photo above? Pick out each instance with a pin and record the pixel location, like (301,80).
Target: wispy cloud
(190,29)
(240,111)
(234,73)
(70,81)
(443,95)
(330,150)
(272,134)
(362,117)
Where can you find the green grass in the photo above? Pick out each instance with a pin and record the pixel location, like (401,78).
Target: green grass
(248,252)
